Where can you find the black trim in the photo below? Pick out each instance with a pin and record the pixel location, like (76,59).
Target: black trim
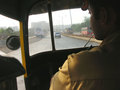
(26,44)
(51,27)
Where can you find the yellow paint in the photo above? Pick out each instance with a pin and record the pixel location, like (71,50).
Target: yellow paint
(22,48)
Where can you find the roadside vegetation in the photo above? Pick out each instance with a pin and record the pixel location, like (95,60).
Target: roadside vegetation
(78,27)
(6,32)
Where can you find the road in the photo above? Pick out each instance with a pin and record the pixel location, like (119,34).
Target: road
(67,43)
(40,45)
(37,45)
(44,44)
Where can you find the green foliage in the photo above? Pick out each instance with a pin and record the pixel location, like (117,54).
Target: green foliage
(1,30)
(76,27)
(5,32)
(85,23)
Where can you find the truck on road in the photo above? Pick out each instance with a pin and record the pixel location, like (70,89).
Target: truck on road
(39,32)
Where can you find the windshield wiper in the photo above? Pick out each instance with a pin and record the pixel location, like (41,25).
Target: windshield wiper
(88,41)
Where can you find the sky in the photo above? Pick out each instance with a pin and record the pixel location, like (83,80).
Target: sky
(62,17)
(59,18)
(7,22)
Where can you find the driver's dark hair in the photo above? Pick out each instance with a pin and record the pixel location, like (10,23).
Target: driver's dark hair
(97,4)
(114,4)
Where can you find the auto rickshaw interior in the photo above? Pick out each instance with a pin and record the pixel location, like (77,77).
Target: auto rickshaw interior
(41,66)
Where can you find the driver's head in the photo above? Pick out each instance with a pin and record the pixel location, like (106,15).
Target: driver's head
(105,16)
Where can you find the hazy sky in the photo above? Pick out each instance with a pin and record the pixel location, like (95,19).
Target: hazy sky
(7,22)
(62,17)
(59,18)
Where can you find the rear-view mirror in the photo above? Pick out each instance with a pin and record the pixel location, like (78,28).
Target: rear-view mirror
(13,42)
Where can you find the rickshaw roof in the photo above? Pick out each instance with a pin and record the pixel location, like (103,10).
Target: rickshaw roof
(17,9)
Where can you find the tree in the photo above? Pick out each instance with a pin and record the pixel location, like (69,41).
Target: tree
(85,23)
(9,30)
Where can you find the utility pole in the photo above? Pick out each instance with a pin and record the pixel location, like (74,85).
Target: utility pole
(70,17)
(62,24)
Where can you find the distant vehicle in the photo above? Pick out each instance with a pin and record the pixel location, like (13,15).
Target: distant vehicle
(69,31)
(85,31)
(39,32)
(57,35)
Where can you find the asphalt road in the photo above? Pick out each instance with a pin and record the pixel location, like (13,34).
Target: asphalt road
(68,42)
(41,45)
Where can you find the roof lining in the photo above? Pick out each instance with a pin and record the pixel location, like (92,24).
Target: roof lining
(17,9)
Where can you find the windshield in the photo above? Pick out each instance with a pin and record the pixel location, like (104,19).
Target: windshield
(72,25)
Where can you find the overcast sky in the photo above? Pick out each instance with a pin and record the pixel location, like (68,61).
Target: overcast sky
(6,22)
(62,17)
(59,18)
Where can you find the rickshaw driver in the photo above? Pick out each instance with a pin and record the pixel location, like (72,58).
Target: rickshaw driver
(99,67)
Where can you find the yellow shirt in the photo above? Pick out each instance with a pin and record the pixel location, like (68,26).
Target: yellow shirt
(95,69)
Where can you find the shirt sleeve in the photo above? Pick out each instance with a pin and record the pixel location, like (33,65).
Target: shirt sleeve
(61,80)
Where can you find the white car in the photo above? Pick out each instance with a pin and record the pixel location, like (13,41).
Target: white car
(57,35)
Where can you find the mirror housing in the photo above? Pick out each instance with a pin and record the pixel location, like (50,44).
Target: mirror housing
(13,42)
